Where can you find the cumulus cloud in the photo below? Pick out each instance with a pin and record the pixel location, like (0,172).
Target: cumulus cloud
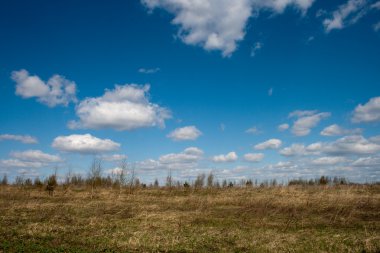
(367,162)
(283,127)
(269,144)
(126,107)
(29,159)
(306,121)
(56,91)
(334,130)
(230,157)
(347,14)
(329,160)
(345,146)
(36,156)
(375,139)
(254,157)
(84,144)
(27,139)
(189,155)
(369,112)
(218,24)
(355,144)
(16,163)
(185,133)
(297,149)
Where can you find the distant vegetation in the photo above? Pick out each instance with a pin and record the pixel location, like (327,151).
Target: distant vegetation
(118,213)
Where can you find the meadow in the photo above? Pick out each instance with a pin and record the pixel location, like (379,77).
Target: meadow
(298,218)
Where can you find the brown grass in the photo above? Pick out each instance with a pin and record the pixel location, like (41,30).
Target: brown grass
(277,219)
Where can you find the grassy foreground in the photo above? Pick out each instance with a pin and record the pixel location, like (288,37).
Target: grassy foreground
(276,219)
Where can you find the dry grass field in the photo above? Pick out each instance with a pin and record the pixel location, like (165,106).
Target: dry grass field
(270,219)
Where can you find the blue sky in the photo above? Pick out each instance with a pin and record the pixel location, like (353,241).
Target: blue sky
(191,87)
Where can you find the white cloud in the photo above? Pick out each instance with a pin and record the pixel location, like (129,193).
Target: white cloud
(375,139)
(56,91)
(126,107)
(149,71)
(114,157)
(347,14)
(29,159)
(376,5)
(185,133)
(185,160)
(283,127)
(36,156)
(334,130)
(306,121)
(257,47)
(270,92)
(218,24)
(329,160)
(253,130)
(297,149)
(230,157)
(27,139)
(115,171)
(356,145)
(254,157)
(84,144)
(376,26)
(367,162)
(369,112)
(301,113)
(16,163)
(269,144)
(347,145)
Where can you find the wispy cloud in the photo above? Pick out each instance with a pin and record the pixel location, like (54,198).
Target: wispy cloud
(149,71)
(27,139)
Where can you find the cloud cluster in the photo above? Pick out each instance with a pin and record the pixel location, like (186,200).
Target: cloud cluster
(126,107)
(189,155)
(369,112)
(218,24)
(30,159)
(185,133)
(306,120)
(269,144)
(347,145)
(56,91)
(334,130)
(27,139)
(230,157)
(254,157)
(84,144)
(349,13)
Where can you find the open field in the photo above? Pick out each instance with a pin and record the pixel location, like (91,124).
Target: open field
(273,219)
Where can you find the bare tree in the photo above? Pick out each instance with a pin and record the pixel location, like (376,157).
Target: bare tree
(210,180)
(200,181)
(95,174)
(169,180)
(131,180)
(4,181)
(122,176)
(156,183)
